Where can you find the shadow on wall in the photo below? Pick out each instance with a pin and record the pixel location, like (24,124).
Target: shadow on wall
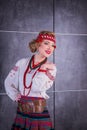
(69,114)
(7,112)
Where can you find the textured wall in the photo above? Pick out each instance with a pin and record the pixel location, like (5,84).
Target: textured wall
(20,21)
(71,60)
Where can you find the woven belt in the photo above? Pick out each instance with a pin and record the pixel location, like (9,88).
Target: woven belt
(35,106)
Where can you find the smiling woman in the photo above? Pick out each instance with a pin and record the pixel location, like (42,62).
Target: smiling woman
(46,48)
(28,83)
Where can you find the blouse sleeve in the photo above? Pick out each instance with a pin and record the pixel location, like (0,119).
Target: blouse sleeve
(11,82)
(43,80)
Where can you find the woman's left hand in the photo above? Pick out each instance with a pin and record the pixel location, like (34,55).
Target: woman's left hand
(48,66)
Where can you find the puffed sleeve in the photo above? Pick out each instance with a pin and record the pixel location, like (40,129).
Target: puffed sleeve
(43,80)
(11,82)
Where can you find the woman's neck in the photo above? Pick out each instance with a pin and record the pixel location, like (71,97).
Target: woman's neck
(38,58)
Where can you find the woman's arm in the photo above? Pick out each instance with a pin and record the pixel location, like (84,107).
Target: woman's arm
(44,80)
(11,82)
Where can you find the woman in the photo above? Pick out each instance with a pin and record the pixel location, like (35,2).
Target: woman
(28,82)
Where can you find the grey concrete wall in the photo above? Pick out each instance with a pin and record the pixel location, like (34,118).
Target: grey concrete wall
(20,21)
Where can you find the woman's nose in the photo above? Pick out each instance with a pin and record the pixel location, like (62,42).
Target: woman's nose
(49,47)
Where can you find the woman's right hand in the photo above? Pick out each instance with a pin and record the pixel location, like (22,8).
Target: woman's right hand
(18,97)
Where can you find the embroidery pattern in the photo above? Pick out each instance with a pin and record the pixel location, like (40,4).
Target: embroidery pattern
(49,75)
(15,68)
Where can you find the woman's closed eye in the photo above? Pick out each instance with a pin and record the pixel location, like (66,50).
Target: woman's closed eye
(46,43)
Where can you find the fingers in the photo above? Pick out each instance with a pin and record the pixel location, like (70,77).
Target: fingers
(18,97)
(49,66)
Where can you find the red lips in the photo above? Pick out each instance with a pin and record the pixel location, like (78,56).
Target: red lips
(48,52)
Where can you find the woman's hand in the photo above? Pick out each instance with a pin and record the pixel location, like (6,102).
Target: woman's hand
(48,66)
(18,97)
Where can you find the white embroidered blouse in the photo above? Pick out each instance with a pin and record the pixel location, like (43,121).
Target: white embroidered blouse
(41,82)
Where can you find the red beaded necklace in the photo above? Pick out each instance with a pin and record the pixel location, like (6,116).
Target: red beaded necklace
(31,66)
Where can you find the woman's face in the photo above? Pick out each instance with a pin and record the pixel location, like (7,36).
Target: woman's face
(46,48)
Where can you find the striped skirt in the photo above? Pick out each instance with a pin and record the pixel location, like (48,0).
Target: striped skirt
(32,121)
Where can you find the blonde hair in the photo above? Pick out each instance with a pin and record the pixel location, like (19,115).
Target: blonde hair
(34,45)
